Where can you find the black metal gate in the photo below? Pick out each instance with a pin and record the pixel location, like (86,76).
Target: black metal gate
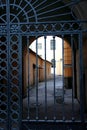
(16,34)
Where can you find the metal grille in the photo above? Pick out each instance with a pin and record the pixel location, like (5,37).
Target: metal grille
(10,83)
(15,24)
(46,101)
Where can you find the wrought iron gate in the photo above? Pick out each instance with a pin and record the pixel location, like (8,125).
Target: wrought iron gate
(11,70)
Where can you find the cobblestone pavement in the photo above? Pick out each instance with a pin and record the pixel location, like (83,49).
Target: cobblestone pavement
(51,104)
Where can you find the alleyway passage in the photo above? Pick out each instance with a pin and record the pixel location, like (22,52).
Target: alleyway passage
(51,104)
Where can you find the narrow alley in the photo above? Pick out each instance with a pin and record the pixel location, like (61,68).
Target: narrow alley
(51,101)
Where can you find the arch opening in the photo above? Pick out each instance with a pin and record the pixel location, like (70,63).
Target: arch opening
(51,86)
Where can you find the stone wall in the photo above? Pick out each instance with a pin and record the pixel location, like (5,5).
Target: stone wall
(84,73)
(85,70)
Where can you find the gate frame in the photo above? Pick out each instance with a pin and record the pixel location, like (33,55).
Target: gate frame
(16,29)
(25,29)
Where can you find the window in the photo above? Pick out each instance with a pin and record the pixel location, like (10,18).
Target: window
(39,45)
(52,44)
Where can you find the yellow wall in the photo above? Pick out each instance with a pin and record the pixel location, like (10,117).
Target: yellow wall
(59,68)
(68,72)
(67,60)
(30,69)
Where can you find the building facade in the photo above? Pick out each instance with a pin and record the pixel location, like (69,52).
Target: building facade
(32,70)
(53,49)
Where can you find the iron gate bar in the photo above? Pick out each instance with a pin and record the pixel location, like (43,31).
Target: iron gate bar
(28,51)
(73,84)
(36,82)
(54,126)
(8,42)
(45,38)
(54,111)
(63,109)
(81,77)
(18,28)
(20,81)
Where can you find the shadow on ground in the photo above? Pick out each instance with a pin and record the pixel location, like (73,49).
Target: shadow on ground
(43,102)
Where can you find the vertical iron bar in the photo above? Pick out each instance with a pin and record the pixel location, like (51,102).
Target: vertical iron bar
(45,80)
(28,53)
(36,78)
(8,42)
(73,82)
(63,110)
(81,78)
(54,77)
(20,82)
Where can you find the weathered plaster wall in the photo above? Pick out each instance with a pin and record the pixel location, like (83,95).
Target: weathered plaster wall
(30,69)
(67,65)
